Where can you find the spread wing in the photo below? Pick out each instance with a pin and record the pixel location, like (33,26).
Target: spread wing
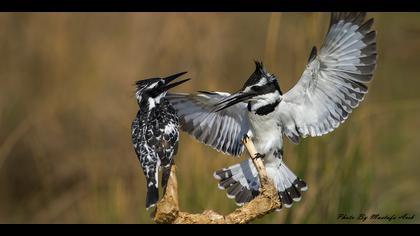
(221,130)
(332,84)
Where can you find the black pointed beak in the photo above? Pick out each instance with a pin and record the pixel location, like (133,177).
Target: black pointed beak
(171,78)
(233,99)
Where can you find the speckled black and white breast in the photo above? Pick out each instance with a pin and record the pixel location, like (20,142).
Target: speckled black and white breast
(155,137)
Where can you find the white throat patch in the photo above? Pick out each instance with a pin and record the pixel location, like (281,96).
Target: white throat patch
(156,100)
(265,99)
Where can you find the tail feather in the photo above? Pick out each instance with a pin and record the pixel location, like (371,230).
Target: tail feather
(299,183)
(296,181)
(285,199)
(288,184)
(243,196)
(226,183)
(152,196)
(242,184)
(240,181)
(234,190)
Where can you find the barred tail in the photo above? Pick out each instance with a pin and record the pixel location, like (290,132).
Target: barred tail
(242,183)
(288,185)
(240,180)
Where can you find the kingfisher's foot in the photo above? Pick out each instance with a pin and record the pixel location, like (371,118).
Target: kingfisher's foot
(259,155)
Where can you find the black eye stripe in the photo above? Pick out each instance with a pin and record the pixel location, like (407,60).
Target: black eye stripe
(268,88)
(256,88)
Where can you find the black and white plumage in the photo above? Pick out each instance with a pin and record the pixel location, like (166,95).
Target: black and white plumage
(155,132)
(331,86)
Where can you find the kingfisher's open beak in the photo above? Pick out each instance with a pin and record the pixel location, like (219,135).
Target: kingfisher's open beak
(234,99)
(171,78)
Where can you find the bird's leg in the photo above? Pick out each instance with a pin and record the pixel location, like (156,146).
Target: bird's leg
(245,139)
(259,155)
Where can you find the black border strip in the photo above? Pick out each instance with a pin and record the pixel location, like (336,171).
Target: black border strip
(206,6)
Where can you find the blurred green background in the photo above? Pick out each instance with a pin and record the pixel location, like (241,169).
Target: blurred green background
(67,102)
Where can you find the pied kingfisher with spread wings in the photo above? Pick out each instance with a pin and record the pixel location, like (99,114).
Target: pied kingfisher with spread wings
(155,132)
(331,86)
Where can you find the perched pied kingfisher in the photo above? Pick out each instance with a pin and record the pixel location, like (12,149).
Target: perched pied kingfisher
(331,85)
(155,132)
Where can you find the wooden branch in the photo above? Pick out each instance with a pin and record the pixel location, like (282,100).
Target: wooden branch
(167,210)
(259,165)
